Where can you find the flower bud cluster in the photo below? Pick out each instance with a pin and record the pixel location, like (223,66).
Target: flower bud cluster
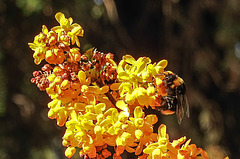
(40,77)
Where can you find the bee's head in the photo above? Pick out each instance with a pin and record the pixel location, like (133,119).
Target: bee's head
(170,77)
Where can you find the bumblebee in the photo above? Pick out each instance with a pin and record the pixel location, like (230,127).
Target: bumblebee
(175,101)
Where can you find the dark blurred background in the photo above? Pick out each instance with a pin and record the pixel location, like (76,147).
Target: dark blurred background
(200,39)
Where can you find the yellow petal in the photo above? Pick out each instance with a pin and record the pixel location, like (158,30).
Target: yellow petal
(57,29)
(123,76)
(177,143)
(65,84)
(130,99)
(106,122)
(139,122)
(129,149)
(123,116)
(111,130)
(104,89)
(70,20)
(159,69)
(59,16)
(113,113)
(70,151)
(138,134)
(32,46)
(73,115)
(54,103)
(77,42)
(62,117)
(58,80)
(80,106)
(120,66)
(162,131)
(156,154)
(126,86)
(101,106)
(76,29)
(151,119)
(129,59)
(150,90)
(146,76)
(81,76)
(158,81)
(148,150)
(186,144)
(94,89)
(122,105)
(162,63)
(115,86)
(139,149)
(138,113)
(142,63)
(44,29)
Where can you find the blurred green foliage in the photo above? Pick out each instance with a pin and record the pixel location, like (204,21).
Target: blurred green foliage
(200,39)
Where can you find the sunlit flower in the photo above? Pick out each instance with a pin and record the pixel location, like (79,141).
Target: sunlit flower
(158,149)
(191,151)
(137,80)
(39,45)
(74,55)
(45,47)
(72,30)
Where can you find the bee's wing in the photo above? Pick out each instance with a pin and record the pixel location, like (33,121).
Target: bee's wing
(179,109)
(182,107)
(186,106)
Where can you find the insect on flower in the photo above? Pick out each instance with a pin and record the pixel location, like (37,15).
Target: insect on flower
(175,101)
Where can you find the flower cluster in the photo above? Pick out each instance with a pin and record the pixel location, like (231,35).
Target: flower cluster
(179,149)
(140,81)
(102,103)
(97,128)
(52,45)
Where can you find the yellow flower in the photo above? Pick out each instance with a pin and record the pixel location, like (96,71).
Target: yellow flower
(74,55)
(72,30)
(191,151)
(179,142)
(39,54)
(58,112)
(125,139)
(39,45)
(158,149)
(130,69)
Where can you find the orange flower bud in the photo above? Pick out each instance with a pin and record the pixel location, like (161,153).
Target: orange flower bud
(70,151)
